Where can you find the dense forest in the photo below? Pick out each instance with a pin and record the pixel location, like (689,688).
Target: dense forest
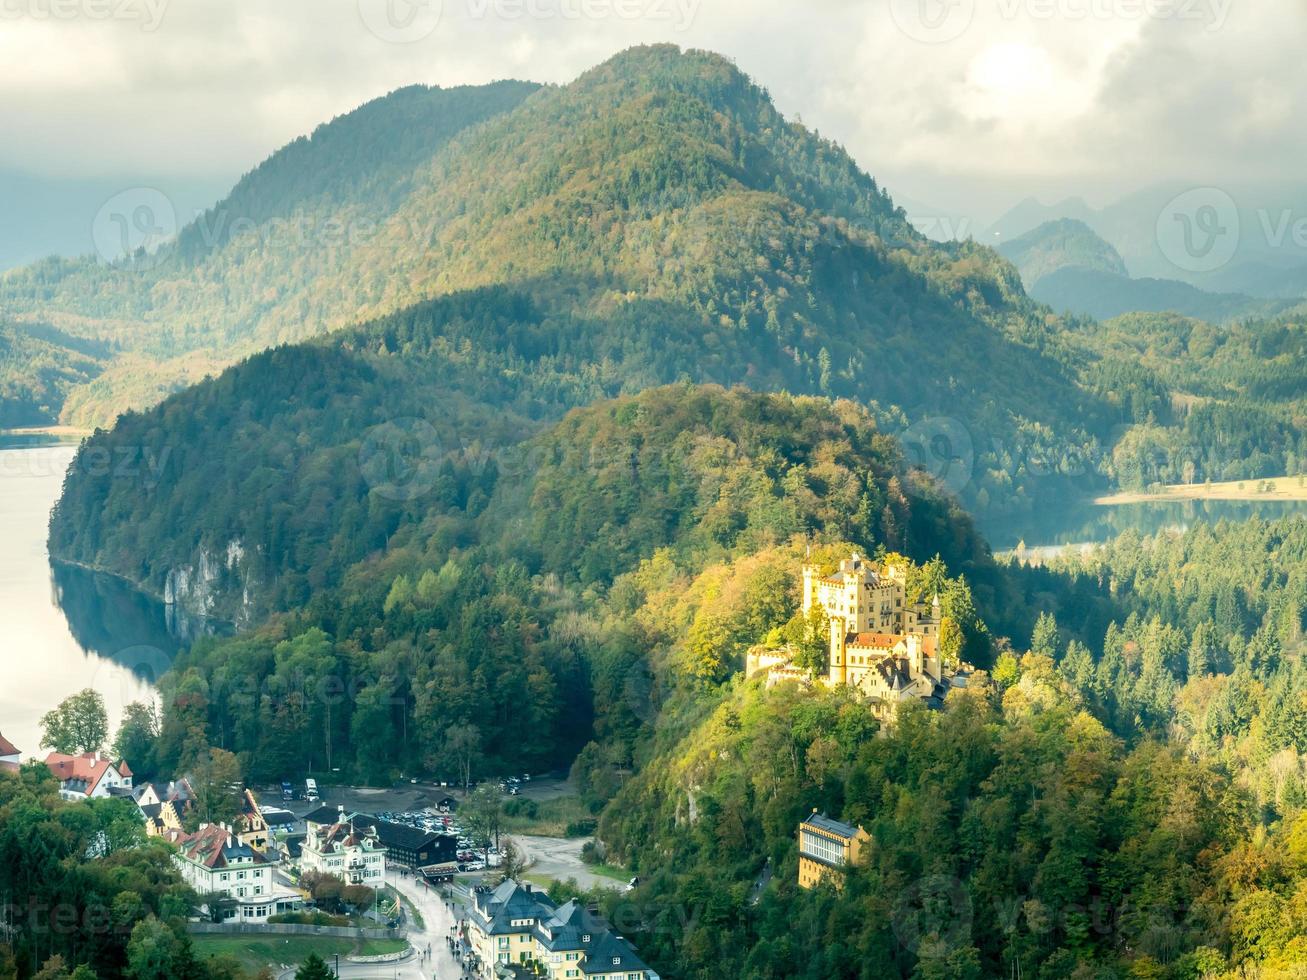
(1119,791)
(518,493)
(39,368)
(1228,402)
(670,481)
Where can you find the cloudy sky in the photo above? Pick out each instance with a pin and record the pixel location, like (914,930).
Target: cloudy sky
(958,103)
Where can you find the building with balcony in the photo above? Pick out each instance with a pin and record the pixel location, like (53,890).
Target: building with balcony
(827,848)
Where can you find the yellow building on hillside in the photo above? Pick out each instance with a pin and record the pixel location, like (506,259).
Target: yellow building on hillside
(880,645)
(826,849)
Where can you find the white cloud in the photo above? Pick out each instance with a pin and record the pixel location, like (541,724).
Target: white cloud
(1056,94)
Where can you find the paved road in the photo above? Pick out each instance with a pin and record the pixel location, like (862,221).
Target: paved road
(559,857)
(437,921)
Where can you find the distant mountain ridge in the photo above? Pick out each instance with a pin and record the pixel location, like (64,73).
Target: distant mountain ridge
(1065,264)
(1267,262)
(1067,243)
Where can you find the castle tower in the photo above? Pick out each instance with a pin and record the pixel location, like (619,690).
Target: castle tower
(839,672)
(809,587)
(916,658)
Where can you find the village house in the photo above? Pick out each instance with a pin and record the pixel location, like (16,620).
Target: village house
(251,827)
(879,644)
(163,807)
(8,756)
(91,775)
(515,927)
(215,863)
(347,847)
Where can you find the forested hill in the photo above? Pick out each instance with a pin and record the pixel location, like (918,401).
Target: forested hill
(201,301)
(38,369)
(288,468)
(1062,244)
(480,599)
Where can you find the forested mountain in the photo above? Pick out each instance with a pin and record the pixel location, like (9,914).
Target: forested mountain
(1065,264)
(673,480)
(656,220)
(39,367)
(1267,262)
(1237,397)
(1062,244)
(201,302)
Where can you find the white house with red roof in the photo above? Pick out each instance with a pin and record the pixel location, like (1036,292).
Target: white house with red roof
(91,775)
(8,755)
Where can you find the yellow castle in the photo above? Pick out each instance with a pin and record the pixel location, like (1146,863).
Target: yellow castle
(879,644)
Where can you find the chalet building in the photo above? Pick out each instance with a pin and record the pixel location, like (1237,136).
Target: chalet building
(9,761)
(517,927)
(163,806)
(251,827)
(214,862)
(412,847)
(91,775)
(826,849)
(348,848)
(880,645)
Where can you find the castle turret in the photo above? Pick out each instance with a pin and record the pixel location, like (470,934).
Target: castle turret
(916,658)
(809,588)
(839,672)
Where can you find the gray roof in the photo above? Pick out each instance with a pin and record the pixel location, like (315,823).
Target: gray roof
(600,958)
(840,829)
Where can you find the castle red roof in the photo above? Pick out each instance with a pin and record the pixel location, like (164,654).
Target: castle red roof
(881,641)
(7,747)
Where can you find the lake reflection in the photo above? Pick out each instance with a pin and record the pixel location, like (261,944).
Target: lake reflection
(63,628)
(1083,522)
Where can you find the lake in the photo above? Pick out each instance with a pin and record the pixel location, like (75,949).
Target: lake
(62,629)
(1083,522)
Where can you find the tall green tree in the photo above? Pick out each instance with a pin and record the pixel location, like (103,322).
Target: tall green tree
(79,724)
